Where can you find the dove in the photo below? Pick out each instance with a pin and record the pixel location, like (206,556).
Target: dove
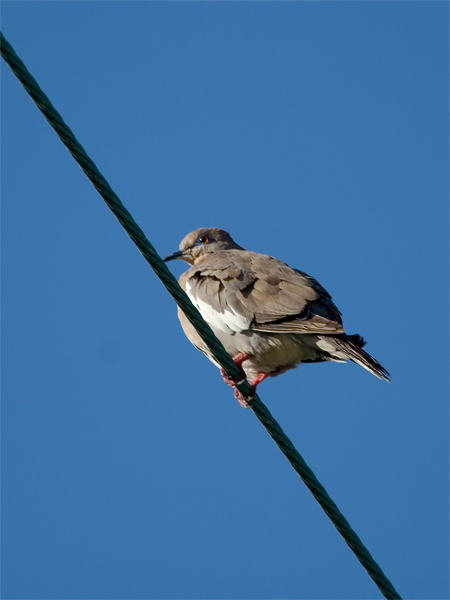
(269,317)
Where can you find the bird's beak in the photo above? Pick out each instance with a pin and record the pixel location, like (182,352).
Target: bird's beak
(177,254)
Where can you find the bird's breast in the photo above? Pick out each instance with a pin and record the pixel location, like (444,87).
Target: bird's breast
(226,320)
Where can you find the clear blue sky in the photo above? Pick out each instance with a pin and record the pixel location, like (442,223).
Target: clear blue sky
(316,132)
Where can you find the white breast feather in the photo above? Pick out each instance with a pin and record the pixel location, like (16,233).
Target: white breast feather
(228,321)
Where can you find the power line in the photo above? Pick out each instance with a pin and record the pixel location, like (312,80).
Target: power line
(151,256)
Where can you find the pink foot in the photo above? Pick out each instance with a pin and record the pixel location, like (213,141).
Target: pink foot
(254,383)
(238,359)
(232,382)
(240,398)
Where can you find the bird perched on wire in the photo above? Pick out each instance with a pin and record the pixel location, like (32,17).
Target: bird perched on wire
(268,316)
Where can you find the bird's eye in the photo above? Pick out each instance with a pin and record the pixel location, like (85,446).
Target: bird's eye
(203,239)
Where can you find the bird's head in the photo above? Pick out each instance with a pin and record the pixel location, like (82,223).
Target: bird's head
(202,241)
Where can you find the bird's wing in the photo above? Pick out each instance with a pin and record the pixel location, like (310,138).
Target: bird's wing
(239,290)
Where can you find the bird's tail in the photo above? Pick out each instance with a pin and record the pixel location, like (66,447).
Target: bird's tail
(350,347)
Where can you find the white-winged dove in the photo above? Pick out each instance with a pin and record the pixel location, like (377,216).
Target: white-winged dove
(269,317)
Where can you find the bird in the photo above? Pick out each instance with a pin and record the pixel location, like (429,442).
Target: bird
(269,317)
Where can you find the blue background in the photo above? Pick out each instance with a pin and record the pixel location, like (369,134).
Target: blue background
(315,132)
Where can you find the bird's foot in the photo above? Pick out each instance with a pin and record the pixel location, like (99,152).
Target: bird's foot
(254,383)
(229,379)
(242,401)
(240,358)
(233,382)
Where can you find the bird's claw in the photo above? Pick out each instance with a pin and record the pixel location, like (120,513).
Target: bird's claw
(242,401)
(230,380)
(233,382)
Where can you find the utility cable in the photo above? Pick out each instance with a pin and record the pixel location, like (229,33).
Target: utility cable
(191,312)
